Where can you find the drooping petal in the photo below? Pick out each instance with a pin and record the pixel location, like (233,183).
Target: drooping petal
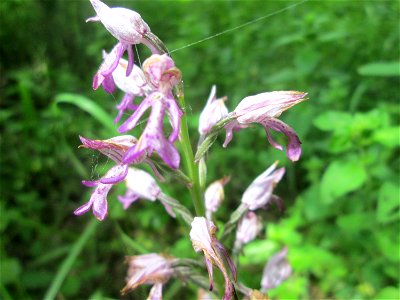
(155,292)
(167,151)
(129,198)
(293,149)
(131,122)
(100,206)
(84,208)
(229,132)
(175,115)
(126,103)
(110,63)
(115,175)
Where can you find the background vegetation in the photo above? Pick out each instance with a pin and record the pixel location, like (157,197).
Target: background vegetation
(342,197)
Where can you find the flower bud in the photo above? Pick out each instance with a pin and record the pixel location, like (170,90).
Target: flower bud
(248,228)
(124,24)
(214,111)
(214,194)
(259,192)
(276,270)
(161,72)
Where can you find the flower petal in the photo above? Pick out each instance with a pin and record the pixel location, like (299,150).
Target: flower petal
(293,149)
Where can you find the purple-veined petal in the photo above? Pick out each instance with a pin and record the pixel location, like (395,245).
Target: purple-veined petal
(175,115)
(126,103)
(168,153)
(115,175)
(156,292)
(129,198)
(100,206)
(108,84)
(89,183)
(293,149)
(270,104)
(134,154)
(112,60)
(225,253)
(84,208)
(229,132)
(131,122)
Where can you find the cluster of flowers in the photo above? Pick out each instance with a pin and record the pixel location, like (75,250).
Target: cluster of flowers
(156,83)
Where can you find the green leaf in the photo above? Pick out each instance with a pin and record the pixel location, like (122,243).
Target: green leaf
(385,69)
(10,270)
(88,106)
(340,178)
(388,137)
(388,292)
(353,223)
(388,203)
(333,121)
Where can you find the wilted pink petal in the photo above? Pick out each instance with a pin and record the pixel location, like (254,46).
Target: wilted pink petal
(259,192)
(148,269)
(203,239)
(276,270)
(293,149)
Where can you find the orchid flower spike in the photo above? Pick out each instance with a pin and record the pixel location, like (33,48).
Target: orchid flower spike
(214,195)
(263,109)
(259,192)
(141,185)
(150,268)
(203,239)
(276,270)
(128,27)
(214,111)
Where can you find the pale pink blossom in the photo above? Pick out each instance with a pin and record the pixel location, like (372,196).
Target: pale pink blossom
(276,270)
(214,195)
(214,111)
(150,268)
(259,192)
(264,109)
(248,229)
(141,185)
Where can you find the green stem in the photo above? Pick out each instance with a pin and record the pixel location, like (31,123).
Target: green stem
(69,261)
(191,167)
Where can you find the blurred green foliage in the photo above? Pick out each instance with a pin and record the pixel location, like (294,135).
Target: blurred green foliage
(342,197)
